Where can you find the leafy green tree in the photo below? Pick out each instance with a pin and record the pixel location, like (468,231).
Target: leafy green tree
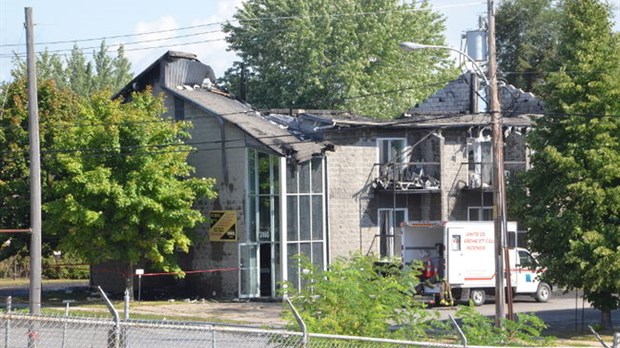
(574,219)
(49,67)
(357,297)
(527,37)
(78,73)
(338,54)
(121,72)
(55,105)
(122,190)
(103,68)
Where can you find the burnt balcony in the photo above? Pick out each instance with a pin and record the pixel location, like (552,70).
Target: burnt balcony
(481,174)
(413,177)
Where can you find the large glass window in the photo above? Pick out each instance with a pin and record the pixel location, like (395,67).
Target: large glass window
(305,216)
(259,258)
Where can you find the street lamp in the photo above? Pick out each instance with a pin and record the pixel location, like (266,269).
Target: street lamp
(499,188)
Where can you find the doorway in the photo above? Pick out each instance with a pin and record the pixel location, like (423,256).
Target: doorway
(266,275)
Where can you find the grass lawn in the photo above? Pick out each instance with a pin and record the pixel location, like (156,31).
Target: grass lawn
(25,282)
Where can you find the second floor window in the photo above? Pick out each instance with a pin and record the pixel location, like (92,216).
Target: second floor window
(480,159)
(392,150)
(480,213)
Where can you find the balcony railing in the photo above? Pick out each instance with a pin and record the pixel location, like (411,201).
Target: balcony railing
(408,176)
(481,174)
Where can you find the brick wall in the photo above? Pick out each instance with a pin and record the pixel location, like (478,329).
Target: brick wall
(454,98)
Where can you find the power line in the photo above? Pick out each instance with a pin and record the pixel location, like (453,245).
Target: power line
(104,38)
(354,14)
(549,72)
(22,54)
(194,146)
(335,15)
(113,45)
(169,120)
(213,142)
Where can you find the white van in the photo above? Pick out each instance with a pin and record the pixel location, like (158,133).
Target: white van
(462,254)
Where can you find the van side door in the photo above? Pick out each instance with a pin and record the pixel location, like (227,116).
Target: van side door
(455,261)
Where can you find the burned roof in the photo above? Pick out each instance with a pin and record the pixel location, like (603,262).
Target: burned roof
(277,138)
(184,76)
(339,119)
(179,68)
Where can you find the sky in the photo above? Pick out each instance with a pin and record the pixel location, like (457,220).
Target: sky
(150,28)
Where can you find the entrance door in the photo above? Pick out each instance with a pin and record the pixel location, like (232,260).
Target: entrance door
(258,269)
(248,271)
(266,279)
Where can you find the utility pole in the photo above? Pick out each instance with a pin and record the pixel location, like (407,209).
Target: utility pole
(499,198)
(35,171)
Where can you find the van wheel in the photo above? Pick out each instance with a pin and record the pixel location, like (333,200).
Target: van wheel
(478,297)
(543,293)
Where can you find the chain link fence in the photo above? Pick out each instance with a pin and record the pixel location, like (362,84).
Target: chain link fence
(25,330)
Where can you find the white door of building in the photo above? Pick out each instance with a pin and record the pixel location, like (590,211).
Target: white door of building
(249,272)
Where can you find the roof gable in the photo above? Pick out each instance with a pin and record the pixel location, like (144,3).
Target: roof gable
(184,76)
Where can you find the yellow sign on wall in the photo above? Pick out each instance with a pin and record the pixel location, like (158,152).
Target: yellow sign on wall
(223,226)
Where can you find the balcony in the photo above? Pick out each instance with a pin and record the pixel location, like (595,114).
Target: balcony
(412,177)
(480,175)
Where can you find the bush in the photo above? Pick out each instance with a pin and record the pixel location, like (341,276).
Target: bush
(67,266)
(361,297)
(16,266)
(525,330)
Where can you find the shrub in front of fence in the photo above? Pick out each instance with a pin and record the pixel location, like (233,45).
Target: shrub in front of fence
(360,296)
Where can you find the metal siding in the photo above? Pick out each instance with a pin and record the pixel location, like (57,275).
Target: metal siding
(185,72)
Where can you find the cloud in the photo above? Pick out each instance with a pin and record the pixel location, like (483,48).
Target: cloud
(205,39)
(155,39)
(213,51)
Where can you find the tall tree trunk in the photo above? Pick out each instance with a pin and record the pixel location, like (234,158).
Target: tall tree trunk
(129,280)
(606,322)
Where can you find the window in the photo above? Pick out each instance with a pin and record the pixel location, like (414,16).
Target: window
(527,261)
(480,159)
(391,156)
(479,213)
(259,260)
(455,242)
(392,150)
(389,221)
(305,216)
